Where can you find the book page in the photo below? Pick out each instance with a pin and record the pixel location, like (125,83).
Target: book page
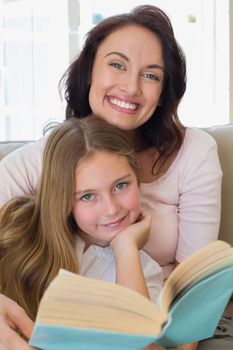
(75,301)
(198,265)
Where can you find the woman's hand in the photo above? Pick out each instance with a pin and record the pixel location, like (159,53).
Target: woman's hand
(12,319)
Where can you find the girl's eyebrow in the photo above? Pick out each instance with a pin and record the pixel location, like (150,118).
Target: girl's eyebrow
(123,178)
(150,66)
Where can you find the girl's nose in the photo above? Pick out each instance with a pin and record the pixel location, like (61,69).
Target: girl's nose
(112,206)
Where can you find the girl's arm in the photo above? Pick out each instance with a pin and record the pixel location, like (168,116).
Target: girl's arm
(126,246)
(12,319)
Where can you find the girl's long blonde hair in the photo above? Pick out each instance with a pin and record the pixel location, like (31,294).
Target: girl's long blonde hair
(37,233)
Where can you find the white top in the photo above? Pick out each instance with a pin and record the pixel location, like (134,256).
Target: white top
(184,202)
(98,263)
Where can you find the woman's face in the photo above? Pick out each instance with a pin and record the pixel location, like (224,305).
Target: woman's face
(127,77)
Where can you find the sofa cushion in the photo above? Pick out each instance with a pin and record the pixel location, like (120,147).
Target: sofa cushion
(223,135)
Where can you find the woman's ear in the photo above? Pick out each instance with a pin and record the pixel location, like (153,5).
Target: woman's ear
(160,102)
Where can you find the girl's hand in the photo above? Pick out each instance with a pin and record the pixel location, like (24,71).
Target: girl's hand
(12,319)
(126,245)
(136,234)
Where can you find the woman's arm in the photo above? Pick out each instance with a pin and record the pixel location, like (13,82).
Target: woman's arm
(13,319)
(20,171)
(199,204)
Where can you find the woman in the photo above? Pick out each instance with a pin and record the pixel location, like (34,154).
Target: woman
(132,73)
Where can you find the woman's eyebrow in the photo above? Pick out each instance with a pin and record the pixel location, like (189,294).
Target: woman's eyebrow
(155,66)
(119,54)
(150,66)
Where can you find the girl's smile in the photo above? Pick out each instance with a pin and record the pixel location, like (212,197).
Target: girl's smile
(114,223)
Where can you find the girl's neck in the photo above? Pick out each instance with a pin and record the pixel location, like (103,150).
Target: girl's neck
(90,240)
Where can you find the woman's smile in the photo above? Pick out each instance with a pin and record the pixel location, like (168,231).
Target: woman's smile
(121,105)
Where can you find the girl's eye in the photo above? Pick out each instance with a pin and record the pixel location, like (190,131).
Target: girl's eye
(87,197)
(151,76)
(117,65)
(120,186)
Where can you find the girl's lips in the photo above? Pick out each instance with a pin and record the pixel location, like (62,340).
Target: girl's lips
(114,223)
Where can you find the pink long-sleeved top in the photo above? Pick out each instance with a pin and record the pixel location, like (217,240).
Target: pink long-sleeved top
(185,202)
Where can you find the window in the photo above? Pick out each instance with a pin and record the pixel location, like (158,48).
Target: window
(33,56)
(38,39)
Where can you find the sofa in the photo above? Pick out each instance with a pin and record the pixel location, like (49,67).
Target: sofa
(223,135)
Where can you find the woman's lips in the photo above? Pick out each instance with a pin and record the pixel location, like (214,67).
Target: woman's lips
(122,105)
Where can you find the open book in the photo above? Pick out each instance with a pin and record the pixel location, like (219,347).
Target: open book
(80,313)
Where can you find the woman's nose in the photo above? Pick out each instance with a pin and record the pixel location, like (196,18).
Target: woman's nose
(131,85)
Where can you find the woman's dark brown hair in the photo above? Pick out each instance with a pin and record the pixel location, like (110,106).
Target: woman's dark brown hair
(163,130)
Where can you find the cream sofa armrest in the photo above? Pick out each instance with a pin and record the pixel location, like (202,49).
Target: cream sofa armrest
(223,134)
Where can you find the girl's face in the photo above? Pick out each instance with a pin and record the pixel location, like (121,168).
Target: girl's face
(127,77)
(107,198)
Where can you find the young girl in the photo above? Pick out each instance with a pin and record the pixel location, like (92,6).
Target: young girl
(86,217)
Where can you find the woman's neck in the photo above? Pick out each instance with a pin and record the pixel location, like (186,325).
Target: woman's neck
(135,139)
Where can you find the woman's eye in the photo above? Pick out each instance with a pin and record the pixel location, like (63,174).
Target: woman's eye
(151,76)
(121,186)
(87,197)
(116,65)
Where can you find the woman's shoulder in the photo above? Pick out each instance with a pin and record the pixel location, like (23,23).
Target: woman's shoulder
(196,137)
(20,170)
(196,145)
(29,150)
